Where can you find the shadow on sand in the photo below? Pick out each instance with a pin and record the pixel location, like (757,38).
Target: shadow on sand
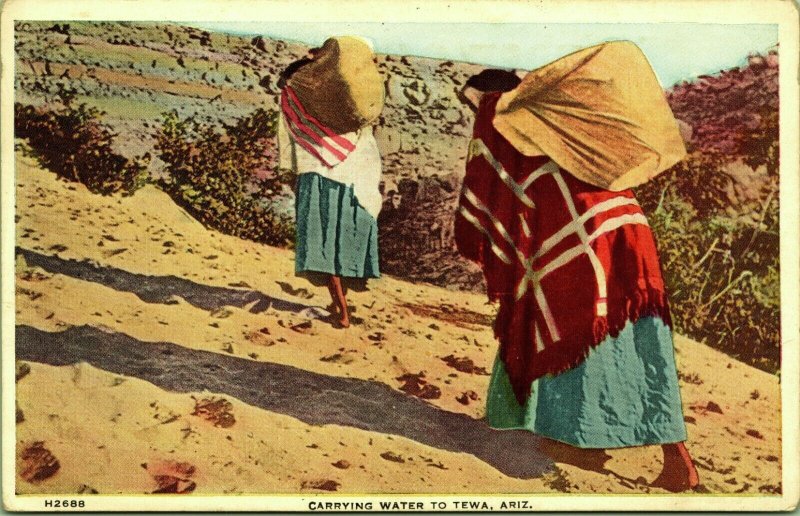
(160,289)
(314,398)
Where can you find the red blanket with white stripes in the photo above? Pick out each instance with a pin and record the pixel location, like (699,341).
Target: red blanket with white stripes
(311,134)
(569,262)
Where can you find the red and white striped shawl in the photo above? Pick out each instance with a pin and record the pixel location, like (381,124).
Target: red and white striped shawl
(569,262)
(319,140)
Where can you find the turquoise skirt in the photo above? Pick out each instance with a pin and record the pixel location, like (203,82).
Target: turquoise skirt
(335,234)
(624,394)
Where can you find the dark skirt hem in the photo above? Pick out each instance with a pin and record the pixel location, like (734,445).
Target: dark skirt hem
(678,437)
(321,278)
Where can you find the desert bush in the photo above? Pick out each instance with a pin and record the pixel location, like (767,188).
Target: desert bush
(72,141)
(699,178)
(721,266)
(760,146)
(226,178)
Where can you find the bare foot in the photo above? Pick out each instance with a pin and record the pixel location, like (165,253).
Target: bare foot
(590,459)
(337,322)
(679,473)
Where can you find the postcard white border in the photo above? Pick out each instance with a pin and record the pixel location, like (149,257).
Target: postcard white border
(783,13)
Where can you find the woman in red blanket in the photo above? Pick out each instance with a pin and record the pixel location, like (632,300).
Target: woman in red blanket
(586,353)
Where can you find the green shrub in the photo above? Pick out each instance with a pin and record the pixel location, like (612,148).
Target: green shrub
(721,265)
(71,141)
(226,179)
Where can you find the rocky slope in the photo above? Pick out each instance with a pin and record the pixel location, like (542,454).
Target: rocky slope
(136,71)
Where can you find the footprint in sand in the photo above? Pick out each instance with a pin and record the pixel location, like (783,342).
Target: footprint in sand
(23,370)
(416,385)
(339,358)
(218,411)
(709,407)
(36,463)
(393,457)
(171,476)
(305,327)
(466,397)
(221,313)
(32,295)
(86,489)
(33,275)
(755,433)
(771,489)
(260,337)
(464,364)
(322,485)
(114,252)
(378,336)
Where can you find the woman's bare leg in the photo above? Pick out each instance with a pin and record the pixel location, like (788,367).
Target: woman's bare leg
(333,308)
(679,473)
(338,295)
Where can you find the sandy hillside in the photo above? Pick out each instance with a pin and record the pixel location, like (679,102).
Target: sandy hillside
(157,355)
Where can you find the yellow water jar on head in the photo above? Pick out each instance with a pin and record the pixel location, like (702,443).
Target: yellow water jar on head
(599,113)
(341,87)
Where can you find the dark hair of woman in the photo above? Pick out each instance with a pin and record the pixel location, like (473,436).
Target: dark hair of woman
(289,70)
(493,79)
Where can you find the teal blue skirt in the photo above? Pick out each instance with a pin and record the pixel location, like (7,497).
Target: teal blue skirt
(625,393)
(335,234)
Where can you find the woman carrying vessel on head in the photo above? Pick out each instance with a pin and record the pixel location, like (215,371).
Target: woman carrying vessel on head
(586,355)
(328,100)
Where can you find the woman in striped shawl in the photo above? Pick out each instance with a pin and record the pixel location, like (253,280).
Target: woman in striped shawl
(586,354)
(338,171)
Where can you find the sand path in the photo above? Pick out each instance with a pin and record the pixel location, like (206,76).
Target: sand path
(122,303)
